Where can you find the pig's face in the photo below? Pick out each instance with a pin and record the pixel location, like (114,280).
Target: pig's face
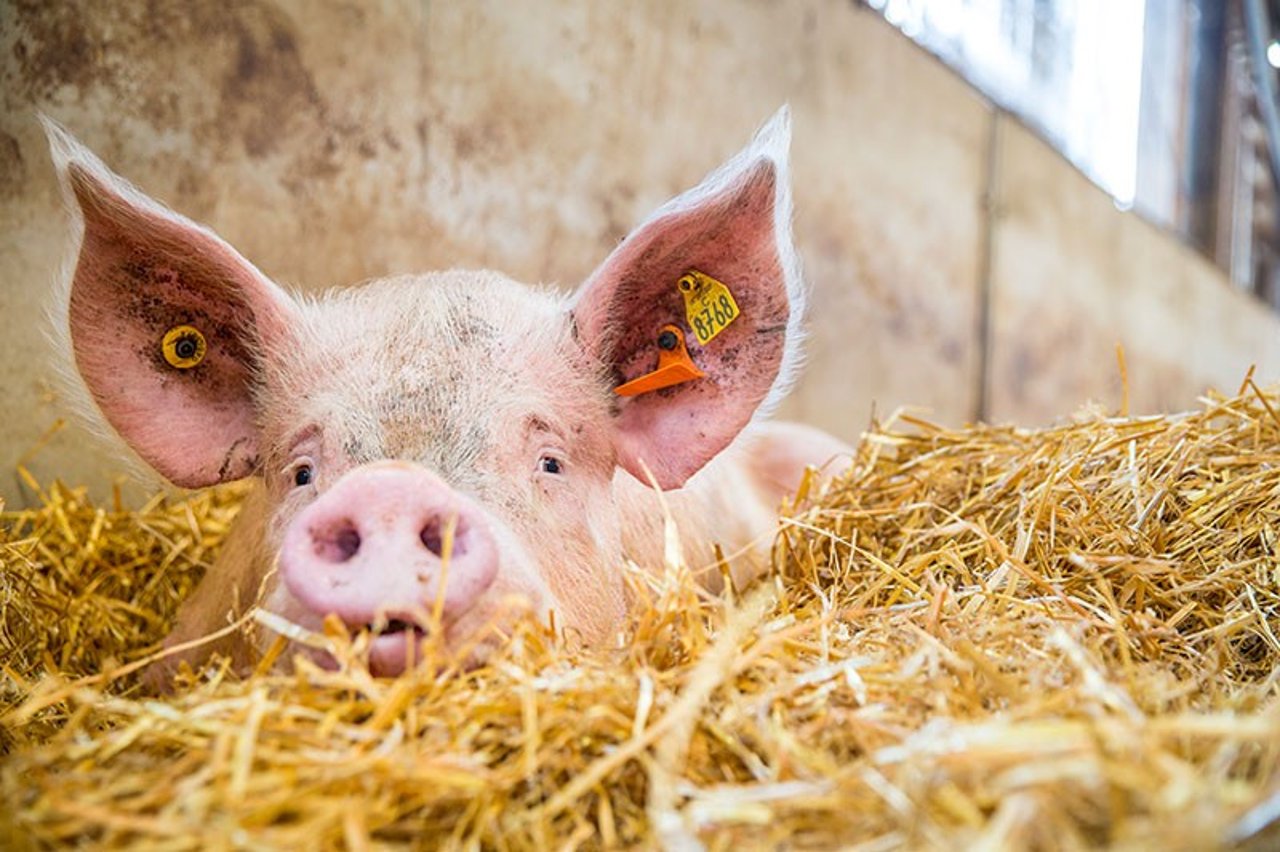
(478,383)
(437,452)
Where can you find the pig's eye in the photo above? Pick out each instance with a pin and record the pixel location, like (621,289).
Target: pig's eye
(550,464)
(303,475)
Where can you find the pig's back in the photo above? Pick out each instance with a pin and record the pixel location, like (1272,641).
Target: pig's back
(732,502)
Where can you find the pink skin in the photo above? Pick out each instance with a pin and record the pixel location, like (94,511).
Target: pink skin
(371,550)
(375,417)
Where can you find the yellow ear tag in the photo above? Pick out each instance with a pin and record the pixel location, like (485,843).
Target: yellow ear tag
(674,366)
(184,347)
(708,305)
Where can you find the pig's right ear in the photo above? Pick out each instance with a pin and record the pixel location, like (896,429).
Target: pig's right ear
(167,323)
(718,264)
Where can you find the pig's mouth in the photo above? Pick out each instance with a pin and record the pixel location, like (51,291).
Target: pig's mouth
(395,626)
(395,645)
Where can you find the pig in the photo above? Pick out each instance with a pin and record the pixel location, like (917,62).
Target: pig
(436,454)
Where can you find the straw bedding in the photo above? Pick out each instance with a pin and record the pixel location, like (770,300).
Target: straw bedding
(985,638)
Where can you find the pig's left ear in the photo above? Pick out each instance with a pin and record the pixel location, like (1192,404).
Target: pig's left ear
(734,229)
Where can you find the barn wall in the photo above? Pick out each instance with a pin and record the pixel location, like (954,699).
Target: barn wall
(334,141)
(1072,277)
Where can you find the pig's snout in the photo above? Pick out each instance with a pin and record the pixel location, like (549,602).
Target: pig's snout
(371,550)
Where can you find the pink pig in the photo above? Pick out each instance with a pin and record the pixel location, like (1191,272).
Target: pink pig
(377,420)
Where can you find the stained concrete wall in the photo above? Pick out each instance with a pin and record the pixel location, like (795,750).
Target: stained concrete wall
(333,141)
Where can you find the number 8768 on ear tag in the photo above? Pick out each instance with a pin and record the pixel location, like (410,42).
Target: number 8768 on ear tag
(708,305)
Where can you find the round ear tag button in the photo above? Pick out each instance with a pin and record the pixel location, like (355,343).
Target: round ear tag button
(674,366)
(184,347)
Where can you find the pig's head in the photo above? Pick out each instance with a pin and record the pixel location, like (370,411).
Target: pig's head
(431,448)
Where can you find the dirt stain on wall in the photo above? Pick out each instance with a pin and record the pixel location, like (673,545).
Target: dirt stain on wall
(230,74)
(12,166)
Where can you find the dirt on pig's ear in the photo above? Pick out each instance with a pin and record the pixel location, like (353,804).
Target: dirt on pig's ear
(718,264)
(167,324)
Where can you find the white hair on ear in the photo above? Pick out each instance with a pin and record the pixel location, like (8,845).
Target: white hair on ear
(773,141)
(65,150)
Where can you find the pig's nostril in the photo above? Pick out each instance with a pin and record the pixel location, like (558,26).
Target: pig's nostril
(347,543)
(337,542)
(432,536)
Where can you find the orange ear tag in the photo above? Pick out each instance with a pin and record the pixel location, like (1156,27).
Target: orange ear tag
(674,366)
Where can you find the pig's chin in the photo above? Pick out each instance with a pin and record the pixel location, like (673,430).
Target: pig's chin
(393,646)
(393,653)
(398,648)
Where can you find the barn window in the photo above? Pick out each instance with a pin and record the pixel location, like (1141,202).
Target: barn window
(1163,104)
